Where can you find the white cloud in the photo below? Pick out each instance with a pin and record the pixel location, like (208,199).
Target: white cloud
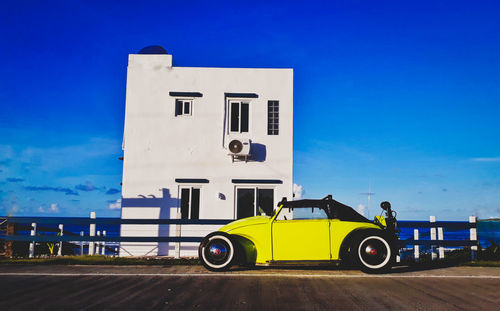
(298,191)
(493,159)
(54,208)
(13,210)
(362,209)
(116,205)
(88,186)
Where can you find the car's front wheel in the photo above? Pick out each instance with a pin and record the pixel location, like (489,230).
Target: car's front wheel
(373,253)
(217,251)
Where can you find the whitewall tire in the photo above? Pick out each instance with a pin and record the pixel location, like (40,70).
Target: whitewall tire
(374,253)
(217,251)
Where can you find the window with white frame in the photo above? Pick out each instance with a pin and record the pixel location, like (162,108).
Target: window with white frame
(252,201)
(190,202)
(183,107)
(239,116)
(273,119)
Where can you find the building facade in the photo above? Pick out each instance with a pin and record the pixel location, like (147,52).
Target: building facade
(202,143)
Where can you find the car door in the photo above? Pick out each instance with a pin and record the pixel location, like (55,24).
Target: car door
(302,238)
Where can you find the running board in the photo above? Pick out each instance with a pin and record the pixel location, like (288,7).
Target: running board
(301,262)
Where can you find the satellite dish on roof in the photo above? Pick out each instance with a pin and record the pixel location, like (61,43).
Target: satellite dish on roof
(153,49)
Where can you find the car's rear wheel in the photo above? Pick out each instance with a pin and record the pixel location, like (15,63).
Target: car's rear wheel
(373,253)
(217,251)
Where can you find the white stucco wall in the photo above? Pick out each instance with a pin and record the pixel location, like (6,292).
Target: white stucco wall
(160,147)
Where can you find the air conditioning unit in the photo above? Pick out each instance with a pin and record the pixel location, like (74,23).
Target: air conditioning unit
(239,147)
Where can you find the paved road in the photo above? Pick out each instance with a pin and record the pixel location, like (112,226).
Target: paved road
(193,288)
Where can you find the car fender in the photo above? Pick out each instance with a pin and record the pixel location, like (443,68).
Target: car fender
(246,251)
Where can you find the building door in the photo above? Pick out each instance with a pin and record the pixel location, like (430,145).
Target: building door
(254,201)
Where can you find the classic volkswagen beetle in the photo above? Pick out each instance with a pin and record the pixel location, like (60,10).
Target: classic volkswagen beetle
(331,232)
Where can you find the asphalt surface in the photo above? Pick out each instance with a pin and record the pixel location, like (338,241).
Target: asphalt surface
(40,287)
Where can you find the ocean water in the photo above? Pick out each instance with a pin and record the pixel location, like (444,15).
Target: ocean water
(487,232)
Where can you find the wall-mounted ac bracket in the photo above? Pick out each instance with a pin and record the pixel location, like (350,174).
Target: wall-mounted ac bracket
(239,157)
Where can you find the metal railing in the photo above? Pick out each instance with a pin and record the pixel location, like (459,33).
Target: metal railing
(436,240)
(30,224)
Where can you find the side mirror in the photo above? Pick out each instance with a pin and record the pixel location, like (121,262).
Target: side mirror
(385,205)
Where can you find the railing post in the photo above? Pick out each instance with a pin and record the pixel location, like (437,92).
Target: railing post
(416,247)
(178,234)
(473,237)
(81,244)
(440,238)
(10,230)
(98,244)
(103,246)
(92,233)
(59,251)
(32,244)
(432,219)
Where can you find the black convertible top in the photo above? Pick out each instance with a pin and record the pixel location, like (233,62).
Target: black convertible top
(334,209)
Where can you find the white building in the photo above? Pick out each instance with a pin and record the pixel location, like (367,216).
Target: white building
(178,160)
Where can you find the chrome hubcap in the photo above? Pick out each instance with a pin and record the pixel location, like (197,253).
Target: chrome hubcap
(217,251)
(373,252)
(370,250)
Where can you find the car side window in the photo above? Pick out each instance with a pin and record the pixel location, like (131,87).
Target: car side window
(309,213)
(300,213)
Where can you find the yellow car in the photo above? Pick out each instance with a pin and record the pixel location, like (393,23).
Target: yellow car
(305,232)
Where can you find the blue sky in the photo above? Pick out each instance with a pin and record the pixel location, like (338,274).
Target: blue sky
(397,98)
